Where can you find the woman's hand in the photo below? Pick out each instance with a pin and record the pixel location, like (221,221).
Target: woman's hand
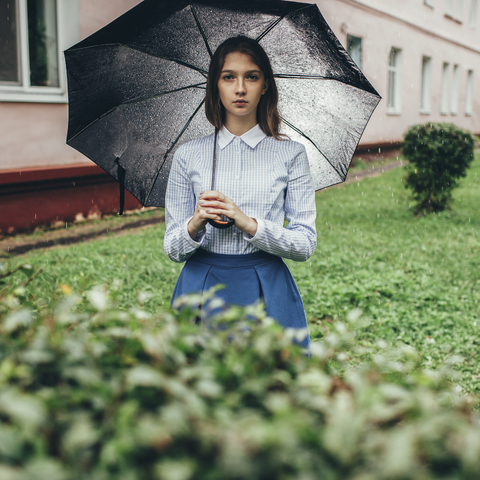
(212,205)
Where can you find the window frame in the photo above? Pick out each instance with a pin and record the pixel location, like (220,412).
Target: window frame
(68,33)
(396,71)
(429,3)
(426,86)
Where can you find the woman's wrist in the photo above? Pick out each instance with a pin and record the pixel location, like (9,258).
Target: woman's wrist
(248,226)
(194,229)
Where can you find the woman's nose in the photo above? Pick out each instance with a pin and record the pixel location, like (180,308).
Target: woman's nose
(240,87)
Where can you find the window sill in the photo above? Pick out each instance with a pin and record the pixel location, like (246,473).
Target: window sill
(394,112)
(444,113)
(468,114)
(456,20)
(425,112)
(32,97)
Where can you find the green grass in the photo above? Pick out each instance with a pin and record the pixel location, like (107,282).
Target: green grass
(416,280)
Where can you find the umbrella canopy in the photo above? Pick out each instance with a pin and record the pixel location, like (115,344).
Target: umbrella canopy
(137,86)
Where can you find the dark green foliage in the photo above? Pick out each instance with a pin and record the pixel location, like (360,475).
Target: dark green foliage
(439,155)
(91,392)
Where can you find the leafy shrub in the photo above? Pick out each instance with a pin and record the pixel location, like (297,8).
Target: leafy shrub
(91,392)
(439,154)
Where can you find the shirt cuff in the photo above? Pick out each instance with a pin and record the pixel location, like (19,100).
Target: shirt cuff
(199,238)
(258,233)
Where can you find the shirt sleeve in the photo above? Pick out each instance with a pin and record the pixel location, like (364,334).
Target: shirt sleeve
(179,209)
(298,240)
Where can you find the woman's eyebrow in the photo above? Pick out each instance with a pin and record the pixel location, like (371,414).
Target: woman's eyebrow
(234,71)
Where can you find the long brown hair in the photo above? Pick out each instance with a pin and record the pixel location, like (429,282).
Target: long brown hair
(267,110)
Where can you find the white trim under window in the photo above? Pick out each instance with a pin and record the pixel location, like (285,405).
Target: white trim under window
(455,90)
(426,90)
(445,89)
(395,82)
(36,68)
(469,94)
(430,3)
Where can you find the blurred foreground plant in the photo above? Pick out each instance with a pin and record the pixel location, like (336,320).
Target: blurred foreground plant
(91,392)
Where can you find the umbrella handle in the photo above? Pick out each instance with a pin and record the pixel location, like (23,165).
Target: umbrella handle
(219,224)
(215,223)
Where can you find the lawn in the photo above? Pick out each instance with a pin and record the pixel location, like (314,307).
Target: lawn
(416,280)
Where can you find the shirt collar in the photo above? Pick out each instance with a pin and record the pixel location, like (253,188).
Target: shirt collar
(252,138)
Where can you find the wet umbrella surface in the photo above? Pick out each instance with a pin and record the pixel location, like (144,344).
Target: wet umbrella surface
(137,86)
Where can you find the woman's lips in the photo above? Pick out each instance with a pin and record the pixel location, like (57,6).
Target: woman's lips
(240,102)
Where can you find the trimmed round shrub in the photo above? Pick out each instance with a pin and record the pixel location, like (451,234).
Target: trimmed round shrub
(439,155)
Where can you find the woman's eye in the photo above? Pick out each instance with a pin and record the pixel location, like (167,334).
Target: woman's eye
(227,77)
(253,77)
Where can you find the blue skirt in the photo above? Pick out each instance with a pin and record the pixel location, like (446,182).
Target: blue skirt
(247,278)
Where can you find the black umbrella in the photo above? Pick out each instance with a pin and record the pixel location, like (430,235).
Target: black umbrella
(136,87)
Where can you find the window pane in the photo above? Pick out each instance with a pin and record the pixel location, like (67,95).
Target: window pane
(9,60)
(42,42)
(445,89)
(449,7)
(469,94)
(455,90)
(426,75)
(354,49)
(459,10)
(473,13)
(391,88)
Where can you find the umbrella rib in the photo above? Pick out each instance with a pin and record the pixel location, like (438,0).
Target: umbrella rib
(293,127)
(131,102)
(197,21)
(276,22)
(269,28)
(172,147)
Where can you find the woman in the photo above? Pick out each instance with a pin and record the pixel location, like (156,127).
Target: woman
(261,179)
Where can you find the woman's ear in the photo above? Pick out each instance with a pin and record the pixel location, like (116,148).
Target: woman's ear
(265,88)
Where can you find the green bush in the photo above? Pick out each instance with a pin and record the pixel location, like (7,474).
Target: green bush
(439,154)
(91,392)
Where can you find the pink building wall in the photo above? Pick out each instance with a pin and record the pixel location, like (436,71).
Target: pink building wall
(33,134)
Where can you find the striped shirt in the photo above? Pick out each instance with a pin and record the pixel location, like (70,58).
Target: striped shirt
(269,180)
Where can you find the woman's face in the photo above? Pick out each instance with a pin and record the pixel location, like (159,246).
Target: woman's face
(241,86)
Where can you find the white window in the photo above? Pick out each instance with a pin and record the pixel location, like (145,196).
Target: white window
(430,3)
(455,90)
(473,13)
(469,94)
(454,9)
(354,49)
(445,89)
(33,35)
(394,81)
(426,93)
